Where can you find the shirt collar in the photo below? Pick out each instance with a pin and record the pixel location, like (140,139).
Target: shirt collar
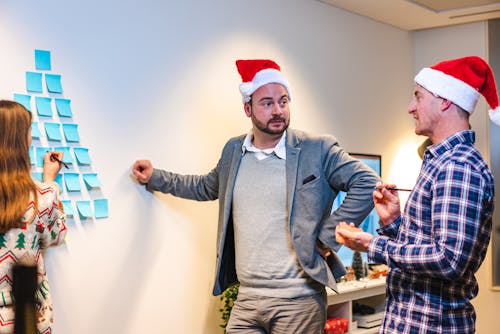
(461,137)
(279,149)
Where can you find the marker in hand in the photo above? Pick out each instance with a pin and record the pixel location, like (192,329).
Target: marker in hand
(54,157)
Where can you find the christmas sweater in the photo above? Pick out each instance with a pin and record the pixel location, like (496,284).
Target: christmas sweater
(39,230)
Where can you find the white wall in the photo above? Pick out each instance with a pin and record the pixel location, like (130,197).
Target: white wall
(156,79)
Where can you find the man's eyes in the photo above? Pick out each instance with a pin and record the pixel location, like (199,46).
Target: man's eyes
(268,104)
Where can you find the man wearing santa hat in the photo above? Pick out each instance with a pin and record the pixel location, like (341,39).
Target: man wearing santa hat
(436,246)
(275,187)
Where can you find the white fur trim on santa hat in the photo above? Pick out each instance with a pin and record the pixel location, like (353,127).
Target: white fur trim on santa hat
(495,115)
(264,77)
(448,87)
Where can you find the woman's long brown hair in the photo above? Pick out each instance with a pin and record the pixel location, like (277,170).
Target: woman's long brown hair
(16,183)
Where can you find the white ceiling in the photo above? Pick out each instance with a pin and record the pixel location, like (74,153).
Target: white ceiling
(421,14)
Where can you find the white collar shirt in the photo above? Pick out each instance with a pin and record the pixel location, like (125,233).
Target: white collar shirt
(279,150)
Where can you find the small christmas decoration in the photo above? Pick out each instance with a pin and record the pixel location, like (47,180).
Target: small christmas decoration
(357,265)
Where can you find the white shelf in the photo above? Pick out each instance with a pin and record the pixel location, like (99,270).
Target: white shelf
(372,292)
(346,287)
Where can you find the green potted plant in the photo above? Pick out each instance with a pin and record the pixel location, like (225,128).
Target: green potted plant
(228,298)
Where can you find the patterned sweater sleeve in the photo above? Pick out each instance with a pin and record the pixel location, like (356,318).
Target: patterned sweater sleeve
(55,231)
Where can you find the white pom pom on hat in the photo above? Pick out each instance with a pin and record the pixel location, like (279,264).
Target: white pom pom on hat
(495,115)
(256,73)
(461,81)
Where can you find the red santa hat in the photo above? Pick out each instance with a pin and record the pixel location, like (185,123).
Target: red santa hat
(461,81)
(256,73)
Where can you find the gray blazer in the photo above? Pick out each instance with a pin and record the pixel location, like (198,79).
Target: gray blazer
(317,168)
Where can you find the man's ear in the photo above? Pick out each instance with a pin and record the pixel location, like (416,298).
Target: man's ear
(248,109)
(445,104)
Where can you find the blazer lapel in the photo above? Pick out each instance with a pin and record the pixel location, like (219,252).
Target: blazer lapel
(231,178)
(292,163)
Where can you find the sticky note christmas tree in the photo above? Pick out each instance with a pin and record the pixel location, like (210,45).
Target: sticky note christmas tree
(54,129)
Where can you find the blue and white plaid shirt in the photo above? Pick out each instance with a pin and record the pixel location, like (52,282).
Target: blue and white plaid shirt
(438,244)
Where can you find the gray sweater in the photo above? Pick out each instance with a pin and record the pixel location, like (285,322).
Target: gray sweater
(266,262)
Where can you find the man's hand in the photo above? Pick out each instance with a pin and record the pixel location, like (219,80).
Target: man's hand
(354,239)
(142,170)
(386,202)
(344,226)
(323,249)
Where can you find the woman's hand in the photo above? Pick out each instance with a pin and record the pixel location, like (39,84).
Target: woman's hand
(52,165)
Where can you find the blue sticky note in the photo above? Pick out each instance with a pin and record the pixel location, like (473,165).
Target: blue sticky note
(72,181)
(53,82)
(91,180)
(67,157)
(84,209)
(59,181)
(63,107)
(68,207)
(40,152)
(37,176)
(53,131)
(42,60)
(101,208)
(43,106)
(24,99)
(34,82)
(32,155)
(35,130)
(82,155)
(71,132)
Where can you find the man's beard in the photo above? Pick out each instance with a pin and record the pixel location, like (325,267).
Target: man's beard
(265,127)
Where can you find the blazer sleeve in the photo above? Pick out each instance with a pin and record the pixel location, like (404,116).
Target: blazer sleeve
(206,187)
(195,187)
(357,180)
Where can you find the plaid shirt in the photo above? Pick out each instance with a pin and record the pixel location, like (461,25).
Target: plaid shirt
(438,244)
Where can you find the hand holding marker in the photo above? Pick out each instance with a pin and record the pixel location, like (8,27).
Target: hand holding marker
(54,157)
